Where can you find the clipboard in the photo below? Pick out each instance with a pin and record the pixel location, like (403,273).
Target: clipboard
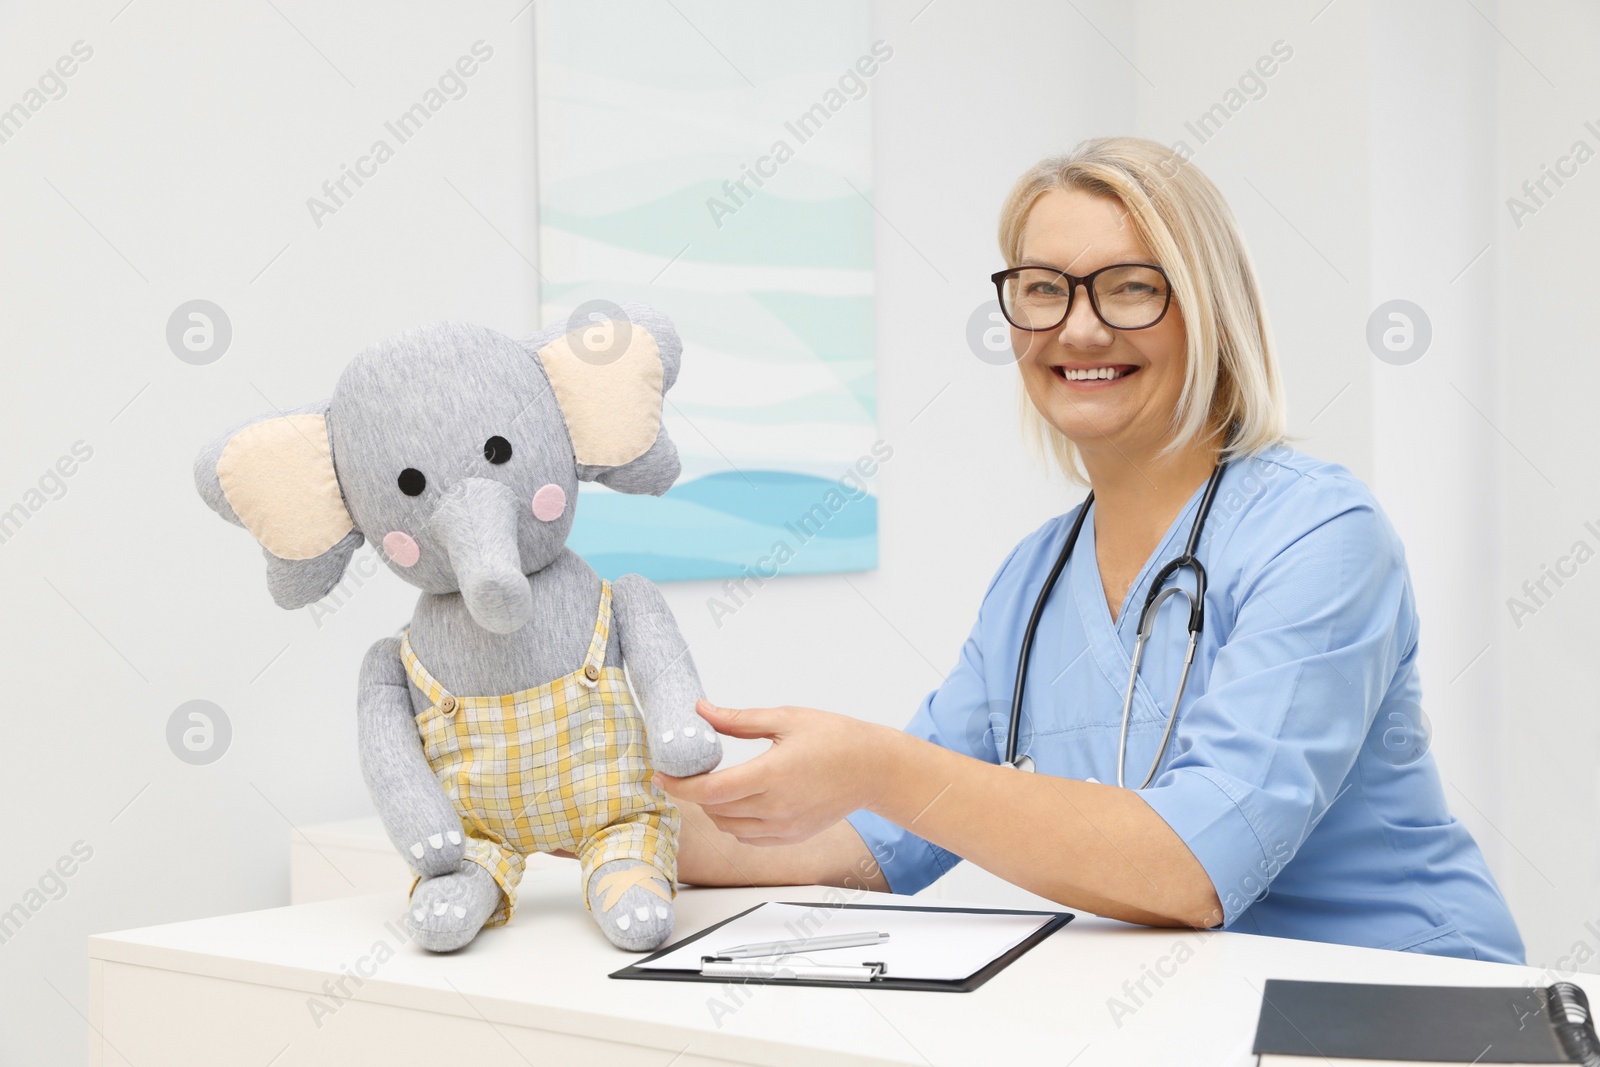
(878,979)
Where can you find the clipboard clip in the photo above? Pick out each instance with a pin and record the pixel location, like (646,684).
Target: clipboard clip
(727,967)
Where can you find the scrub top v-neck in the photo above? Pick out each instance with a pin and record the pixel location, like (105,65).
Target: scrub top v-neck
(1111,643)
(1298,772)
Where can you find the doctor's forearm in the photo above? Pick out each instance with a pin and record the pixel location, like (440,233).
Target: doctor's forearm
(837,857)
(1094,847)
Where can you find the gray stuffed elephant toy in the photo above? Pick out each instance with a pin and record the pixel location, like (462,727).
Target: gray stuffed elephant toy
(501,723)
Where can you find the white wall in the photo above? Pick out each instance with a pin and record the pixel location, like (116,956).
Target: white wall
(1432,177)
(177,166)
(1291,161)
(1544,453)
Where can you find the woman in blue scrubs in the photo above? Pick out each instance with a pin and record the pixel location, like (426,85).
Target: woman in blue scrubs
(1296,796)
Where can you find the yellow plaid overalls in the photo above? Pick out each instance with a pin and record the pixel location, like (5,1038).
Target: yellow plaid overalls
(560,766)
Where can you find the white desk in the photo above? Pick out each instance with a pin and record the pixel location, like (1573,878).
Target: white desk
(242,989)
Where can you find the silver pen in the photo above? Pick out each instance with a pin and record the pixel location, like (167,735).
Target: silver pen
(808,944)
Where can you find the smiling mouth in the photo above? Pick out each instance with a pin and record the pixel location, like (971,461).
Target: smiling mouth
(1091,374)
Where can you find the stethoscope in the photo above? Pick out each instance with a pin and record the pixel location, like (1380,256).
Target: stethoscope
(1152,604)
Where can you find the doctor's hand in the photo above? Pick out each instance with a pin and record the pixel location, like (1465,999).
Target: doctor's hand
(820,768)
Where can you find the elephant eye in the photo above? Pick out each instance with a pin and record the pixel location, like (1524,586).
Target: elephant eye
(497,449)
(412,482)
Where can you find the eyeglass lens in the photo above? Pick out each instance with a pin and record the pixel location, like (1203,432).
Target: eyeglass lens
(1129,297)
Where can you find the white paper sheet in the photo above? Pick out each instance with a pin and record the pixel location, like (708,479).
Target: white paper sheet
(939,945)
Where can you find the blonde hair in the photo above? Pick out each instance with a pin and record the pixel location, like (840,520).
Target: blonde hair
(1231,375)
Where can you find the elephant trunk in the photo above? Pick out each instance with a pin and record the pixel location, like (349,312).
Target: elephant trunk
(476,523)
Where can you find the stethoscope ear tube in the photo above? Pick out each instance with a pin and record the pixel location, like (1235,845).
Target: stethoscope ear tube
(1032,628)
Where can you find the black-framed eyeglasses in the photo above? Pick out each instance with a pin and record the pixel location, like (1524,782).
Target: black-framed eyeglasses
(1124,296)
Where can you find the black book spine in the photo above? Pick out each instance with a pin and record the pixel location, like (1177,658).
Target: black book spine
(1574,1025)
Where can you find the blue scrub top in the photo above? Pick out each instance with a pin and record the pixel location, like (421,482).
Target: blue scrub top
(1297,772)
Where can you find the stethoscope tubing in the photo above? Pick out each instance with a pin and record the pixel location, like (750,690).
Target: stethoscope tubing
(1158,594)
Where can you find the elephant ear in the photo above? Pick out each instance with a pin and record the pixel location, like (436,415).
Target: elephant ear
(610,371)
(274,476)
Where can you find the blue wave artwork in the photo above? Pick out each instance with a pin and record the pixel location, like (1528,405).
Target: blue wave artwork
(762,523)
(740,207)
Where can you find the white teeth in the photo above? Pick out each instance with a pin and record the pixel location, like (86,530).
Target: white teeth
(1092,373)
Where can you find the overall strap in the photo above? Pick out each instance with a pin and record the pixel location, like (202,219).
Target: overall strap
(436,693)
(596,657)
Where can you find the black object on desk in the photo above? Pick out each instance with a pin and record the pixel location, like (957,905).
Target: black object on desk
(1355,1023)
(878,980)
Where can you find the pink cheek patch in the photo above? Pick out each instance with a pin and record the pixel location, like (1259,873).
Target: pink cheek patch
(549,503)
(401,548)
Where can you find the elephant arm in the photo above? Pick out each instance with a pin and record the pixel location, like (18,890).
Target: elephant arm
(420,819)
(663,676)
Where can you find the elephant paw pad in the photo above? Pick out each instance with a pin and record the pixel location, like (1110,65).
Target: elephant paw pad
(688,731)
(448,911)
(630,902)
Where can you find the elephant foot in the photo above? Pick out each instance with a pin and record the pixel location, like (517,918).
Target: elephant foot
(448,911)
(632,902)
